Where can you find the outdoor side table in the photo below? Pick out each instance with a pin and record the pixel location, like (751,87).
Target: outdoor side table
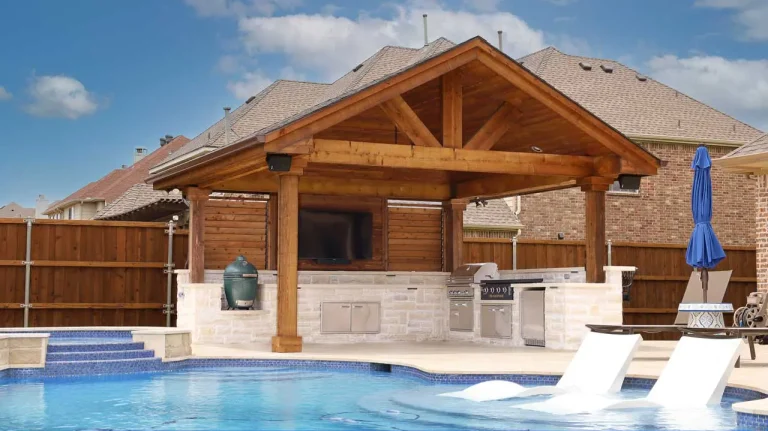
(706,315)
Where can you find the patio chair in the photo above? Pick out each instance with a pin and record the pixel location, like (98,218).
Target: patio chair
(695,376)
(599,366)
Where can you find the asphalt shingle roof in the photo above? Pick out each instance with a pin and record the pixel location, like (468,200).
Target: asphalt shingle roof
(138,196)
(758,146)
(495,215)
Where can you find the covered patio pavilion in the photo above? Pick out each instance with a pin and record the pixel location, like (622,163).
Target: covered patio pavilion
(464,124)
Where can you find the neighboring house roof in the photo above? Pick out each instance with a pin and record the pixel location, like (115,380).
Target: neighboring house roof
(636,108)
(139,196)
(14,210)
(758,146)
(117,182)
(495,215)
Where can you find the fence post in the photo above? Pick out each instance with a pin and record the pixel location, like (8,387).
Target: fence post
(27,270)
(514,253)
(609,252)
(168,306)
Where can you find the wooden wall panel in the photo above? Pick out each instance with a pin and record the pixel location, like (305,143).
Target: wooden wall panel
(88,273)
(358,204)
(415,239)
(233,228)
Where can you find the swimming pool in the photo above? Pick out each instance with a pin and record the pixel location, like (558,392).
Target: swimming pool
(288,397)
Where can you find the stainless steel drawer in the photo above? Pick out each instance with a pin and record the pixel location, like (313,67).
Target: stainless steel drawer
(462,315)
(496,321)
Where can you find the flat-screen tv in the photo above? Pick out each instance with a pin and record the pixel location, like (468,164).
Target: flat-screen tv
(331,235)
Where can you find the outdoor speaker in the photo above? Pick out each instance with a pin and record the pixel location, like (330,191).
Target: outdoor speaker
(629,182)
(279,162)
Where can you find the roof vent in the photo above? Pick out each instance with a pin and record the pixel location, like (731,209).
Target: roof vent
(642,78)
(585,66)
(606,68)
(357,67)
(250,99)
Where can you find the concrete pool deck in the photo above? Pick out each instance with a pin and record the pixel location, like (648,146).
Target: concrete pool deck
(466,358)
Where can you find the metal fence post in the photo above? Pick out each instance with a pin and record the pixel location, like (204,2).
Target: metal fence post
(27,270)
(609,252)
(514,253)
(168,306)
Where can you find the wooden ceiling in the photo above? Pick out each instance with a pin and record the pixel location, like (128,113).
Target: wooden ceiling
(484,92)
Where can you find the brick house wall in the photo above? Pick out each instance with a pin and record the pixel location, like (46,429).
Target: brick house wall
(661,212)
(761,232)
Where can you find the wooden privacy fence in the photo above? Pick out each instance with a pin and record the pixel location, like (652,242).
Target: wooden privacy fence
(87,273)
(660,281)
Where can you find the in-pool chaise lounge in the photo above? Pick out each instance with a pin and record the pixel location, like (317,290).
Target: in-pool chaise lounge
(695,376)
(599,366)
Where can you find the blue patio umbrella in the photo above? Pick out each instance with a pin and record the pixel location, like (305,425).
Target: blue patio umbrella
(704,250)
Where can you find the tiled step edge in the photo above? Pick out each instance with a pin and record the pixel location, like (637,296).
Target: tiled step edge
(106,347)
(101,355)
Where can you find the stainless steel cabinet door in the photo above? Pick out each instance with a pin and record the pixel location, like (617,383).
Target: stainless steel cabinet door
(496,321)
(461,315)
(366,317)
(335,317)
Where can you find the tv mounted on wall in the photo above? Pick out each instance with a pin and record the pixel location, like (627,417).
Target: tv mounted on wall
(335,237)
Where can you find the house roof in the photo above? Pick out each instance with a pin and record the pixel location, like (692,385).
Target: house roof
(284,101)
(14,210)
(758,146)
(495,215)
(111,186)
(635,107)
(140,195)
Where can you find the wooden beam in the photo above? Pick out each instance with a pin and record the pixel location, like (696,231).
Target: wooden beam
(453,234)
(262,183)
(569,110)
(272,218)
(371,97)
(287,339)
(452,110)
(602,184)
(197,198)
(496,186)
(595,235)
(449,159)
(497,125)
(224,166)
(405,119)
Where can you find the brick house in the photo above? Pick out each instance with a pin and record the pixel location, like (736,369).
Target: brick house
(667,123)
(752,159)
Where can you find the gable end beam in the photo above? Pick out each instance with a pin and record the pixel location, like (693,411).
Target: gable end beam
(398,110)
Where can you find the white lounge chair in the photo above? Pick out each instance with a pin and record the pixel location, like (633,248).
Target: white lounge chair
(695,376)
(599,366)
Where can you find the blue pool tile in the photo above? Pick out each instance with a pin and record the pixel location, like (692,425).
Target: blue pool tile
(61,348)
(95,356)
(751,421)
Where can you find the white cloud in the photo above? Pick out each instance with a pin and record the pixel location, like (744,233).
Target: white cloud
(751,15)
(737,87)
(483,5)
(330,46)
(60,96)
(4,94)
(228,64)
(223,8)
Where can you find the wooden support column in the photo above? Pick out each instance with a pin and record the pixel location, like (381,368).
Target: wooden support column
(594,233)
(272,218)
(453,234)
(197,198)
(287,339)
(452,110)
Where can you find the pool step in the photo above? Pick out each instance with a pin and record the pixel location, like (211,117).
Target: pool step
(105,347)
(109,366)
(97,356)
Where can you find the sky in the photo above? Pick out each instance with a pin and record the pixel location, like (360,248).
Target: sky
(84,82)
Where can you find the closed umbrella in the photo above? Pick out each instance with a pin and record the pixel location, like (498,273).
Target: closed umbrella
(704,250)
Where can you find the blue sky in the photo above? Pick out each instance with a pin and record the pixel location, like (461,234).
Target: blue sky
(82,82)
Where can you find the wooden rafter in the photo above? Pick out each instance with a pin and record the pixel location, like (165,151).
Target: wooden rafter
(509,185)
(452,110)
(405,119)
(403,156)
(493,129)
(567,109)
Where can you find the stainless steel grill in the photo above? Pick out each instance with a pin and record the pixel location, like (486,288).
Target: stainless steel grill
(461,292)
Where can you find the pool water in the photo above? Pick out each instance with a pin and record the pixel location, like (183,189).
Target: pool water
(280,398)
